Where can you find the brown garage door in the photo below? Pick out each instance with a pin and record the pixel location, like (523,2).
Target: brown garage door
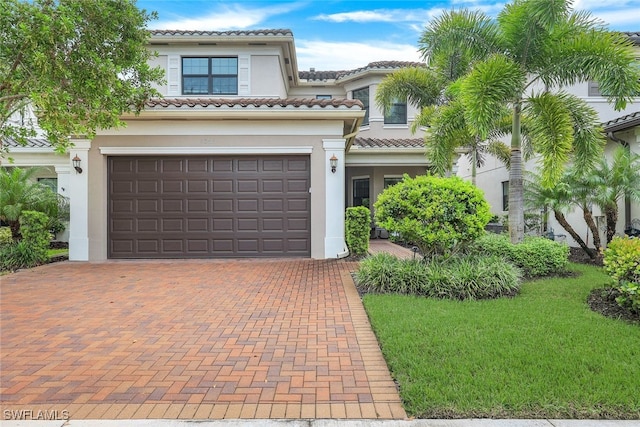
(202,207)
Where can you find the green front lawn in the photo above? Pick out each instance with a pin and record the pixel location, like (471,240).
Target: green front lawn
(56,252)
(542,354)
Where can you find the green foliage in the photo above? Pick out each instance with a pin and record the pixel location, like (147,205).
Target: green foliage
(460,278)
(629,295)
(436,214)
(32,249)
(80,64)
(622,262)
(536,256)
(19,192)
(358,229)
(5,236)
(622,259)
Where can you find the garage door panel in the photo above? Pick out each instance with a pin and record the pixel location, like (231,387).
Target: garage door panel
(172,225)
(248,186)
(170,207)
(198,186)
(198,206)
(147,166)
(197,165)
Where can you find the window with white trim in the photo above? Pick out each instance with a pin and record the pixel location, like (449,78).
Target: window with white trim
(210,76)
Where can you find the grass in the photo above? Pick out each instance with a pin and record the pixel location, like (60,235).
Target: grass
(542,354)
(56,252)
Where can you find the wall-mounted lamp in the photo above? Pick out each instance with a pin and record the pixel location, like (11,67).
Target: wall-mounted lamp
(76,164)
(333,161)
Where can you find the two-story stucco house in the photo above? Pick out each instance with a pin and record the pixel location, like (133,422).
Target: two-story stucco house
(243,156)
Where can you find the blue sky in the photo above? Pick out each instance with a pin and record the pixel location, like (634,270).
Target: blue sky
(342,35)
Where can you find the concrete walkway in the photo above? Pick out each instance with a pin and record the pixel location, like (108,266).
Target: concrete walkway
(191,340)
(385,246)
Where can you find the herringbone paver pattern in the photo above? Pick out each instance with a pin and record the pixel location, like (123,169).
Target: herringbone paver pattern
(191,339)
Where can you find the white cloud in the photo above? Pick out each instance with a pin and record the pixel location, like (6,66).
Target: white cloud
(226,17)
(335,56)
(381,15)
(623,19)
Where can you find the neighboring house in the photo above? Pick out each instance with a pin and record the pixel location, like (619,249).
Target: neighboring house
(244,156)
(619,126)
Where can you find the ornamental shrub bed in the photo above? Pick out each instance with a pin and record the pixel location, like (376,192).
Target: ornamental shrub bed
(536,256)
(456,277)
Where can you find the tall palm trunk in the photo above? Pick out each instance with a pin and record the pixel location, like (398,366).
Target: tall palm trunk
(565,224)
(588,218)
(611,214)
(516,190)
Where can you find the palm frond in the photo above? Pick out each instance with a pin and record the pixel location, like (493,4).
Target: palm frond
(551,131)
(485,91)
(499,150)
(596,54)
(463,34)
(420,86)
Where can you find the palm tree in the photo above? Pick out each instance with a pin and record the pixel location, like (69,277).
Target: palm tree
(19,192)
(611,183)
(534,45)
(559,198)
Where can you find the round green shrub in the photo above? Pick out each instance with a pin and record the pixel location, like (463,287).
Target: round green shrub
(457,277)
(536,256)
(436,214)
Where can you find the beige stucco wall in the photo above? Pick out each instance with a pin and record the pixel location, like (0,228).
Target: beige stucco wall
(266,77)
(210,135)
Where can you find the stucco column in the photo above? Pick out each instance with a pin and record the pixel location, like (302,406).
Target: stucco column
(334,243)
(79,198)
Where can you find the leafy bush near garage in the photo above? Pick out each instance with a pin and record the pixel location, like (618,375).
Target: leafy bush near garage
(456,277)
(621,261)
(436,214)
(358,229)
(535,256)
(31,250)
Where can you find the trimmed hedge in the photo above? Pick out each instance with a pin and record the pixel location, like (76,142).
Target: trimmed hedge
(358,229)
(457,277)
(536,256)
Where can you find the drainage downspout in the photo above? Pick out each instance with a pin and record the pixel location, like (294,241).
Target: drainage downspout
(627,201)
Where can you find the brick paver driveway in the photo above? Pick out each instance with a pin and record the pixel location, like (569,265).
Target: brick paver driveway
(191,339)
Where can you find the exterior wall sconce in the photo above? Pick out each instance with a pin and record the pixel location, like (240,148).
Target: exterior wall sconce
(76,164)
(334,163)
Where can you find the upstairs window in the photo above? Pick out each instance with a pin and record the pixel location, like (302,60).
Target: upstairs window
(210,76)
(362,95)
(323,97)
(396,114)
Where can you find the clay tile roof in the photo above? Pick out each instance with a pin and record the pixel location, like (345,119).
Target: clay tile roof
(252,102)
(319,75)
(269,32)
(31,143)
(622,123)
(634,36)
(381,65)
(388,143)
